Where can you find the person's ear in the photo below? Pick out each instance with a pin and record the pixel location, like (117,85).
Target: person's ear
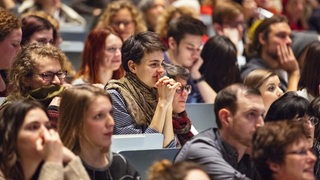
(26,81)
(172,43)
(262,40)
(225,117)
(274,167)
(132,66)
(218,29)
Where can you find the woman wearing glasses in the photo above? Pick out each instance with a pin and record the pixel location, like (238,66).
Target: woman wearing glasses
(38,73)
(281,151)
(182,125)
(124,17)
(293,107)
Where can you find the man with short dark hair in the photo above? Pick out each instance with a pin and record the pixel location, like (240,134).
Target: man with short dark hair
(185,43)
(223,151)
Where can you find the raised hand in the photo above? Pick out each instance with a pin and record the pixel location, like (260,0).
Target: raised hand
(50,146)
(288,61)
(167,88)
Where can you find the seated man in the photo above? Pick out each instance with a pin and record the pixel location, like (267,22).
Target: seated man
(223,151)
(271,49)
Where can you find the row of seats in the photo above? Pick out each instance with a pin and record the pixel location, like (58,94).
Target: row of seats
(142,150)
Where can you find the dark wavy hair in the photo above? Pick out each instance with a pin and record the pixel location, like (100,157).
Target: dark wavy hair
(11,120)
(219,66)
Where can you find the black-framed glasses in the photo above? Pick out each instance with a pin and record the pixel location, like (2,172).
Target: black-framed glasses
(181,88)
(313,120)
(49,76)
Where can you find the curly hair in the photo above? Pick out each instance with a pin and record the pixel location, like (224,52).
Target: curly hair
(271,141)
(113,8)
(11,120)
(25,66)
(8,22)
(170,14)
(165,170)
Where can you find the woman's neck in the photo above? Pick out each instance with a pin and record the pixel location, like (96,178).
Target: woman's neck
(97,158)
(29,167)
(105,75)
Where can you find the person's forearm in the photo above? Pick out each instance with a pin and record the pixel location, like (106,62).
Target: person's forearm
(159,116)
(168,127)
(207,93)
(293,80)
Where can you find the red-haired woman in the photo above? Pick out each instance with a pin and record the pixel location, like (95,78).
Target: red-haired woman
(101,58)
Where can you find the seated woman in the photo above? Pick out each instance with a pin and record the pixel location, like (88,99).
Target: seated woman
(182,126)
(142,99)
(185,170)
(86,127)
(281,151)
(38,73)
(29,149)
(124,17)
(101,58)
(267,82)
(37,29)
(293,107)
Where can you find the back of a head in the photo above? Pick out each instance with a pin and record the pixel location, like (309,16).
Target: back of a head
(270,143)
(184,25)
(288,106)
(263,29)
(310,78)
(165,170)
(135,47)
(219,66)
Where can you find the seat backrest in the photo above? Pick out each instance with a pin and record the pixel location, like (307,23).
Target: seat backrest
(124,142)
(143,159)
(202,115)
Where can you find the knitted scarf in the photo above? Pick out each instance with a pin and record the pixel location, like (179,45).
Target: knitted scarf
(182,126)
(141,100)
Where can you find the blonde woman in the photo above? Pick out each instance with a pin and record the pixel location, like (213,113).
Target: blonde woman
(124,17)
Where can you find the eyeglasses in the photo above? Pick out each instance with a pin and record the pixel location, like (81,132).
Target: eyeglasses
(301,152)
(124,23)
(313,120)
(181,88)
(48,76)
